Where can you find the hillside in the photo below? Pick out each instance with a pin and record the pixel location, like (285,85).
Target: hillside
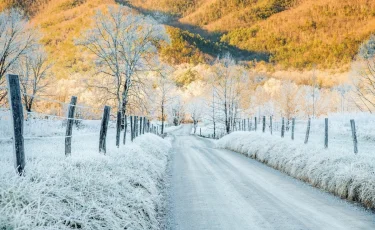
(294,33)
(61,21)
(282,34)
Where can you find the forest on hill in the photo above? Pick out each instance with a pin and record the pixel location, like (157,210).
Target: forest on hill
(278,34)
(293,33)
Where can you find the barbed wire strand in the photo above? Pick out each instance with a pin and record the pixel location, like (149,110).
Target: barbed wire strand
(63,118)
(59,102)
(61,136)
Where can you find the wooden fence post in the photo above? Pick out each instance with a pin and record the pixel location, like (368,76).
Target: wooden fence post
(136,121)
(307,131)
(69,126)
(140,125)
(282,127)
(354,136)
(255,123)
(125,128)
(200,131)
(264,124)
(293,124)
(118,129)
(248,124)
(326,133)
(14,95)
(131,128)
(271,124)
(103,130)
(136,126)
(144,125)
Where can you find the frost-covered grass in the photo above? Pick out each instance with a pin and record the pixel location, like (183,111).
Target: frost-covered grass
(47,126)
(172,128)
(119,190)
(341,172)
(206,129)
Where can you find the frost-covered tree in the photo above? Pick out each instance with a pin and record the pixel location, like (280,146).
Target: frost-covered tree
(33,69)
(176,111)
(124,43)
(196,108)
(17,38)
(229,81)
(287,100)
(364,77)
(164,92)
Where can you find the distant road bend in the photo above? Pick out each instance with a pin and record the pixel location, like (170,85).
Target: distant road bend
(219,189)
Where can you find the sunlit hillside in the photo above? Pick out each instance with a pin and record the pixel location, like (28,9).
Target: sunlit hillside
(295,33)
(281,34)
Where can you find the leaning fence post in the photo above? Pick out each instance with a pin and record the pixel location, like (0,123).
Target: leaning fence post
(264,124)
(326,133)
(118,129)
(293,124)
(255,124)
(282,127)
(307,131)
(69,126)
(103,130)
(14,94)
(354,136)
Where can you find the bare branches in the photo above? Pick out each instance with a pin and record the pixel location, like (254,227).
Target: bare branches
(229,81)
(364,79)
(16,39)
(124,44)
(33,70)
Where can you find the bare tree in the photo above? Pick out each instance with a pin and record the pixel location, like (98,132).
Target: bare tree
(16,39)
(177,111)
(287,100)
(164,89)
(364,77)
(195,109)
(33,69)
(230,80)
(124,43)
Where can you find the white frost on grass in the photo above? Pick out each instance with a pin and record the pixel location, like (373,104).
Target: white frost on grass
(172,128)
(343,173)
(119,190)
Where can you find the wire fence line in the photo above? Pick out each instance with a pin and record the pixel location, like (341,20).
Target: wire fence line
(337,132)
(60,117)
(341,133)
(58,102)
(19,119)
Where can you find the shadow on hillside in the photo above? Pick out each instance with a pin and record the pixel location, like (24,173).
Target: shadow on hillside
(212,37)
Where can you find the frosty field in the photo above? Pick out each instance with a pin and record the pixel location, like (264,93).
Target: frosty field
(119,190)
